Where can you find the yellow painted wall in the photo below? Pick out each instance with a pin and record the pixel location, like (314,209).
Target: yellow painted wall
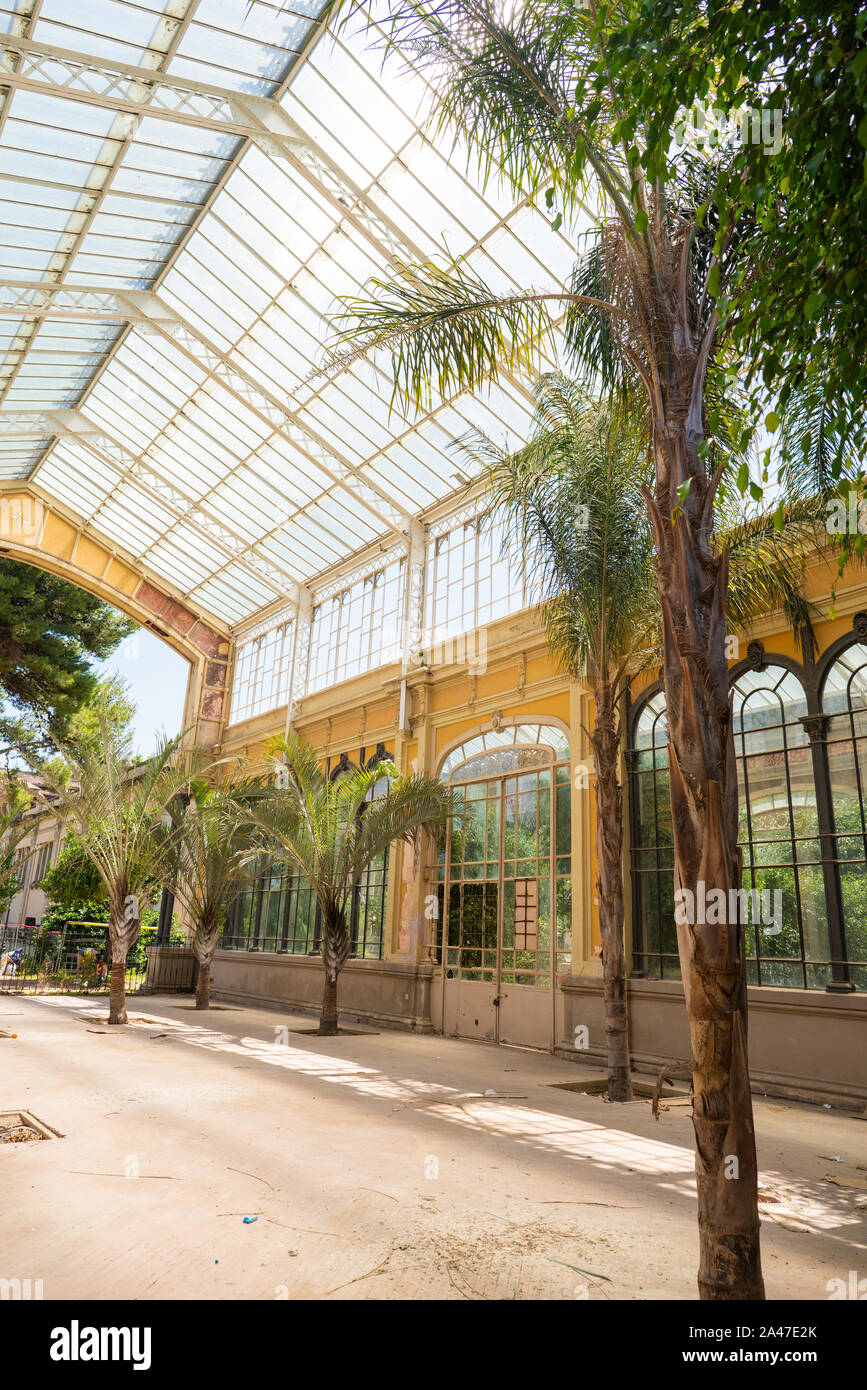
(522,682)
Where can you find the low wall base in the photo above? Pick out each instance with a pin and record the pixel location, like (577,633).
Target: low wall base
(389,993)
(803,1044)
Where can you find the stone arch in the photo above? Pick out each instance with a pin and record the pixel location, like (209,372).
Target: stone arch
(38,534)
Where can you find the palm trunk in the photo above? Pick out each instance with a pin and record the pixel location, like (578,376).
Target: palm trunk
(117,995)
(123,931)
(328,1016)
(335,949)
(203,985)
(609,851)
(692,587)
(206,935)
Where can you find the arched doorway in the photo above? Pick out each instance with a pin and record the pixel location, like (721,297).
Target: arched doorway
(505,886)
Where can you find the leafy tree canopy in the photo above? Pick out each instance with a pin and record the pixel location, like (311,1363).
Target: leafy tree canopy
(73,878)
(108,705)
(50,631)
(784,82)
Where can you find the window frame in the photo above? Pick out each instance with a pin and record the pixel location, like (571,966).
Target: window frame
(812,675)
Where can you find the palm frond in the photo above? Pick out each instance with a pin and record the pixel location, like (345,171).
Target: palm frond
(210,851)
(410,804)
(328,830)
(508,81)
(574,515)
(445,328)
(767,566)
(116,807)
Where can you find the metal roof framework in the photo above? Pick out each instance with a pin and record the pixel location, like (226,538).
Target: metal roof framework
(187,187)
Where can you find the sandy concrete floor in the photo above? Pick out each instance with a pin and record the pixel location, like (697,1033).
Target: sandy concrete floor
(376,1167)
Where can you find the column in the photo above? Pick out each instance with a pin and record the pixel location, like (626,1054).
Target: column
(584,961)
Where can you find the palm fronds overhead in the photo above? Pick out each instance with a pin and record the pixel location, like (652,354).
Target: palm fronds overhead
(447,329)
(571,498)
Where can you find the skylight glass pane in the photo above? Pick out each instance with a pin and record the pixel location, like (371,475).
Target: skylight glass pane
(256,445)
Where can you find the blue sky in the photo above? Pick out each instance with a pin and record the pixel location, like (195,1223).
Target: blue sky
(157,681)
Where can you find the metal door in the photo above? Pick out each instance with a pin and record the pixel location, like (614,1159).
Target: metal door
(498,930)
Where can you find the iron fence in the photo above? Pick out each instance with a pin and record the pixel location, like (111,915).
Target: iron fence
(172,968)
(73,960)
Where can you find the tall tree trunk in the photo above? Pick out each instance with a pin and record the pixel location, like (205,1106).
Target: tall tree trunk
(328,1016)
(124,927)
(335,949)
(117,995)
(609,851)
(206,935)
(692,587)
(203,985)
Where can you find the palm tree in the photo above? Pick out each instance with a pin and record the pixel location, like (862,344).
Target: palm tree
(212,863)
(572,502)
(327,831)
(530,89)
(573,508)
(117,810)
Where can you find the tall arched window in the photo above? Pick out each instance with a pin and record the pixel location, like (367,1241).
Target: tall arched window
(844,701)
(778,835)
(779,831)
(654,936)
(505,871)
(369,899)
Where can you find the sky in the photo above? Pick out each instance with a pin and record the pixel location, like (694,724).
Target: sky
(157,680)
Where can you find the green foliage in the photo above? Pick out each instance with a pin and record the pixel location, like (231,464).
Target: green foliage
(575,513)
(574,501)
(445,327)
(67,922)
(73,878)
(211,861)
(110,702)
(49,633)
(797,304)
(59,915)
(761,248)
(12,832)
(116,811)
(329,831)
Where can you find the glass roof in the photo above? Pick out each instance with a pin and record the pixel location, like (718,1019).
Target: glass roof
(186,190)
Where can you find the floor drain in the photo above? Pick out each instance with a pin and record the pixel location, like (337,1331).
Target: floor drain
(20,1127)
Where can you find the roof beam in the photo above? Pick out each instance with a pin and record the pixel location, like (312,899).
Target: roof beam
(269,407)
(117,551)
(163,44)
(191,511)
(61,72)
(20,298)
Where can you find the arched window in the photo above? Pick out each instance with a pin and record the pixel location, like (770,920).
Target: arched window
(506,863)
(654,936)
(778,832)
(788,931)
(844,701)
(369,899)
